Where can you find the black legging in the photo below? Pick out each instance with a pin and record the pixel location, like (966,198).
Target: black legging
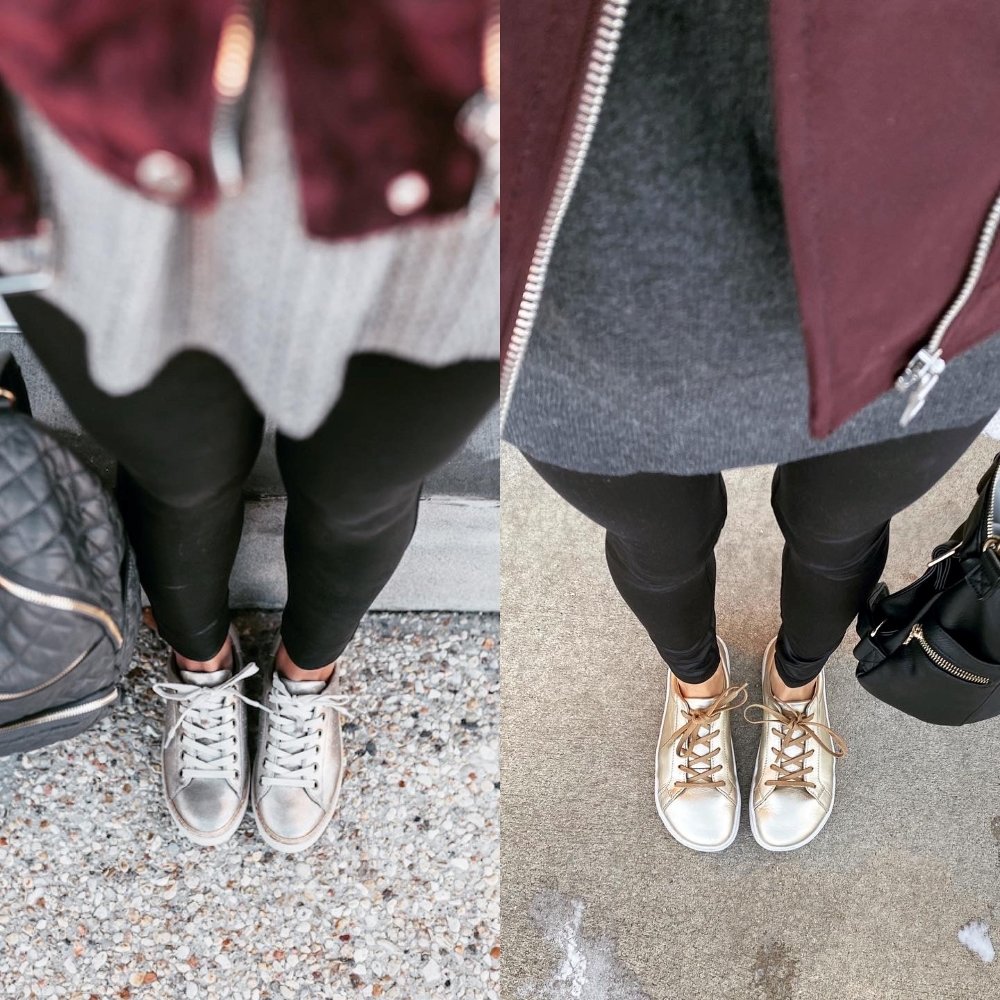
(833,511)
(186,443)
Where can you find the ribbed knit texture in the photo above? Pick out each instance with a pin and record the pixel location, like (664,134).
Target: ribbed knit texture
(668,338)
(245,282)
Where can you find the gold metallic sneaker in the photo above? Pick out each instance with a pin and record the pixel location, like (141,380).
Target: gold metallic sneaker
(697,793)
(794,779)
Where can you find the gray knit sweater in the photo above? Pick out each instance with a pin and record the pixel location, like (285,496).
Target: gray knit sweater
(246,282)
(668,337)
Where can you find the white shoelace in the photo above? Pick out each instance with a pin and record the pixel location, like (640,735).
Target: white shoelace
(208,725)
(293,736)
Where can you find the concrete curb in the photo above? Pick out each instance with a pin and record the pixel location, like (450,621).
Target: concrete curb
(452,564)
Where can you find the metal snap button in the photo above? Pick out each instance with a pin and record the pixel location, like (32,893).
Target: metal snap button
(407,193)
(164,176)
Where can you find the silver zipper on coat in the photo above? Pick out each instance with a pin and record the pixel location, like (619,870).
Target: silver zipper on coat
(927,365)
(602,57)
(917,632)
(60,603)
(230,78)
(64,713)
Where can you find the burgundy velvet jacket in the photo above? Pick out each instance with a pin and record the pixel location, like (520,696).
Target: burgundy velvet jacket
(889,155)
(373,89)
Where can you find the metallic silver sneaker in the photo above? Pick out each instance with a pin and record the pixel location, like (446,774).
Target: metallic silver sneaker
(794,779)
(300,760)
(697,792)
(205,763)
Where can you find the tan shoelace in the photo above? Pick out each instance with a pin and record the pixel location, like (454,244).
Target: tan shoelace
(688,739)
(791,767)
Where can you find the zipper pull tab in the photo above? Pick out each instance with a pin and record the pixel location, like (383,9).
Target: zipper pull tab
(920,377)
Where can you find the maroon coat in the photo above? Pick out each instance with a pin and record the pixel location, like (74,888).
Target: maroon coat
(373,91)
(889,158)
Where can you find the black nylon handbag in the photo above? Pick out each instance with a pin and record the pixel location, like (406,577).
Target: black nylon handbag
(69,591)
(932,649)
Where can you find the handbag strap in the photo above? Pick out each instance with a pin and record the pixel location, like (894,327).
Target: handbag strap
(977,542)
(965,559)
(991,522)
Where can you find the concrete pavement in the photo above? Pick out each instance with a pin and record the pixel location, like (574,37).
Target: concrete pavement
(599,903)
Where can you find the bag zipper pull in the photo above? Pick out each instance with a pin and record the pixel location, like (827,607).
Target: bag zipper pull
(920,376)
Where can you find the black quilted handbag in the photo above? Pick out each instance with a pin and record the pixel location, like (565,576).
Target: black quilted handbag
(69,592)
(932,649)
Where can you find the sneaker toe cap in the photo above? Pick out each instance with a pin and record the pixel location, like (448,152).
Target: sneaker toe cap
(702,818)
(289,813)
(208,806)
(785,821)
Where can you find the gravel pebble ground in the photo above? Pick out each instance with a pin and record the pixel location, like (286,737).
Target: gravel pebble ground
(101,897)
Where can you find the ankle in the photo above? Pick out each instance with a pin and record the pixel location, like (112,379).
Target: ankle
(715,685)
(291,671)
(222,660)
(785,692)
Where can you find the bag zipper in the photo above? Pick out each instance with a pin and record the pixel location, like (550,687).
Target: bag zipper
(63,713)
(60,603)
(52,680)
(595,85)
(917,632)
(925,367)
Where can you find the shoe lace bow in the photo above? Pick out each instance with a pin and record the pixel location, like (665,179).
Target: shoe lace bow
(699,768)
(207,724)
(295,725)
(794,729)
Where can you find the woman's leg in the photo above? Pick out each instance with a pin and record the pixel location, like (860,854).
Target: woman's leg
(660,547)
(353,489)
(185,444)
(660,542)
(834,511)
